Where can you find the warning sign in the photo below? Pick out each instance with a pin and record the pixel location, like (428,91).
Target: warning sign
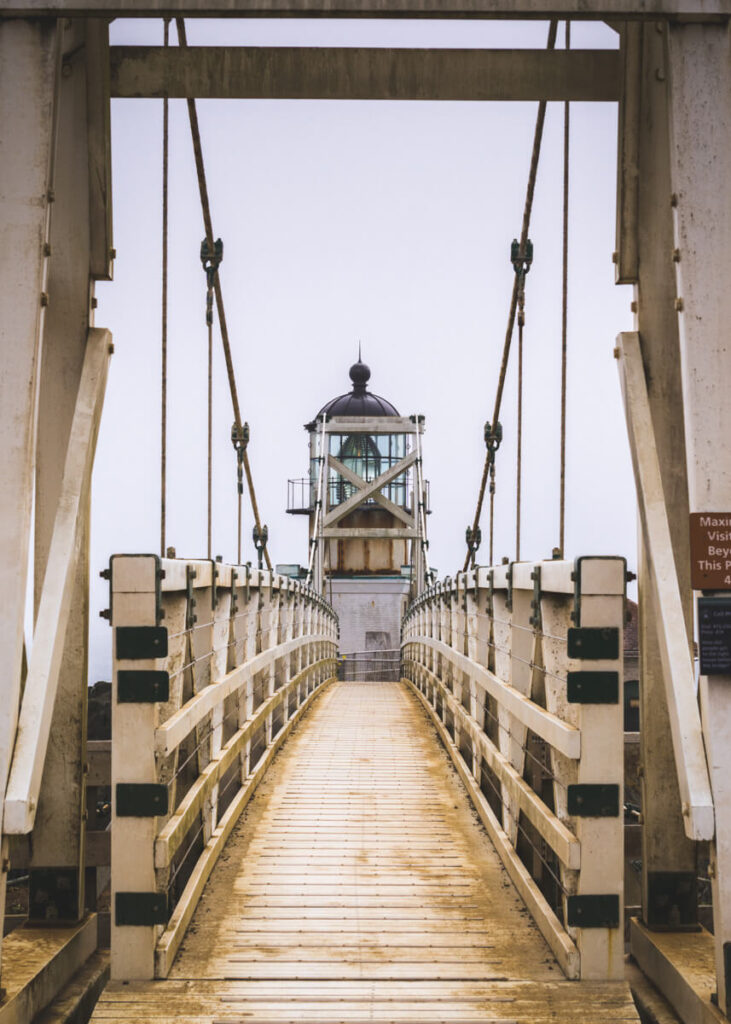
(714,633)
(710,550)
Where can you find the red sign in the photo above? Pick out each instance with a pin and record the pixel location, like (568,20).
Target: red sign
(710,550)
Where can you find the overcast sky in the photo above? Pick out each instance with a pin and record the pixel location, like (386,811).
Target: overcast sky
(388,223)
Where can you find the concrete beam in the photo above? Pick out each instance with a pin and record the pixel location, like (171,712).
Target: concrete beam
(348,73)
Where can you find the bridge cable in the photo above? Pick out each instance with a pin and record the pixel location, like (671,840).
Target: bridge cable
(564,312)
(521,258)
(164,326)
(527,209)
(205,206)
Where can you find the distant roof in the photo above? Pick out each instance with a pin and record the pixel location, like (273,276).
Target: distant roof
(360,401)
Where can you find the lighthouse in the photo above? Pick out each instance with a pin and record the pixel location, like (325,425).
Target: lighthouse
(366,501)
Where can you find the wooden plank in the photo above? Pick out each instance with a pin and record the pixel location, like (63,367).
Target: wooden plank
(553,730)
(359,886)
(347,474)
(176,828)
(367,490)
(611,10)
(678,672)
(359,73)
(174,933)
(36,710)
(561,840)
(561,945)
(171,733)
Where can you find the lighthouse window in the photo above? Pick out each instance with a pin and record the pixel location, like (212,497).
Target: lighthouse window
(368,456)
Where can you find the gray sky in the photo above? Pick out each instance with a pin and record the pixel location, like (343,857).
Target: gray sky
(385,222)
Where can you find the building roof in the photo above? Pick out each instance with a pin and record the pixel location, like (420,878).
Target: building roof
(360,401)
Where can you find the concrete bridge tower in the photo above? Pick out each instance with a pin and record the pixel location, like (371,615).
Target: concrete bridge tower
(365,499)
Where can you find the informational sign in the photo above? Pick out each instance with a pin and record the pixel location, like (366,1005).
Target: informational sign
(714,635)
(710,550)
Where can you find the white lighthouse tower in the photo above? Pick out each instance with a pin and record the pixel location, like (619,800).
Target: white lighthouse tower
(366,502)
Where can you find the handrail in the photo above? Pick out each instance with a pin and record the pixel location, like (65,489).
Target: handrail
(520,667)
(201,705)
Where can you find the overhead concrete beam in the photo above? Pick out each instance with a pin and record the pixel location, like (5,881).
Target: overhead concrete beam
(347,73)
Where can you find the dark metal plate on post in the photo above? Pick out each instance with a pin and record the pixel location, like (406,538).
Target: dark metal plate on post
(714,635)
(141,799)
(672,900)
(53,895)
(592,687)
(142,687)
(593,801)
(140,909)
(592,911)
(594,643)
(137,642)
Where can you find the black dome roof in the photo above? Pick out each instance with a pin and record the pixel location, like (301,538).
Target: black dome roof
(359,401)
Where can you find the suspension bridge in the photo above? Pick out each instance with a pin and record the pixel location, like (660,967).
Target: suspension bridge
(439,833)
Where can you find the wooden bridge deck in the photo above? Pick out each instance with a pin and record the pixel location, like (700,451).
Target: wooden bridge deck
(360,886)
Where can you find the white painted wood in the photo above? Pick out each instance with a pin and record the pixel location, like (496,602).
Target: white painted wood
(564,737)
(28,80)
(369,489)
(700,127)
(59,825)
(133,760)
(173,732)
(347,474)
(53,614)
(602,761)
(690,758)
(561,945)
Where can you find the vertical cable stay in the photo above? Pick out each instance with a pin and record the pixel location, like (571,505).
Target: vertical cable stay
(527,209)
(564,312)
(208,223)
(164,324)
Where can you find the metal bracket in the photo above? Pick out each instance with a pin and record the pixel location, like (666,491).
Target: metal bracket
(214,583)
(491,594)
(135,643)
(141,799)
(592,687)
(234,597)
(140,909)
(594,643)
(576,578)
(592,911)
(144,687)
(536,619)
(248,581)
(589,800)
(509,591)
(190,616)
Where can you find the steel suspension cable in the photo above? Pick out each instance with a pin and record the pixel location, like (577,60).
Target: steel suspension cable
(527,209)
(519,453)
(164,325)
(564,312)
(208,224)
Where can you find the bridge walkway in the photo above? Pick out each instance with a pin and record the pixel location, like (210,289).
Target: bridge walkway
(360,886)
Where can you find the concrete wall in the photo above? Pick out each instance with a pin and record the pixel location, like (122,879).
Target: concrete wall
(369,606)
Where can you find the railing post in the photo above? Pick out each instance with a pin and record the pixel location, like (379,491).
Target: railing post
(140,645)
(600,606)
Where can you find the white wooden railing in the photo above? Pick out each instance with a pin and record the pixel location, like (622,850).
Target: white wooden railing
(520,666)
(213,665)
